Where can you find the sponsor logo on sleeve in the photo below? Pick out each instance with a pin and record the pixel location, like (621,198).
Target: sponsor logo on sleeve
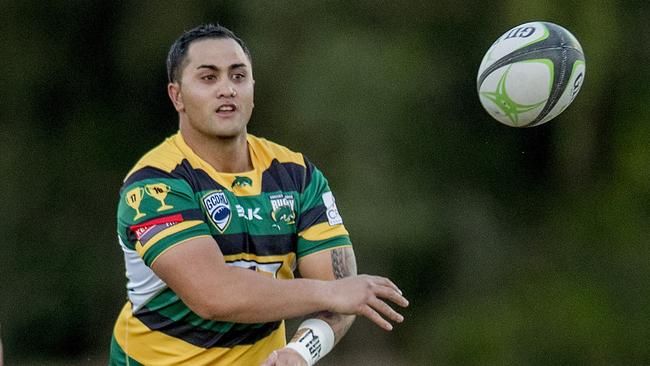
(157,191)
(333,216)
(146,230)
(134,198)
(218,208)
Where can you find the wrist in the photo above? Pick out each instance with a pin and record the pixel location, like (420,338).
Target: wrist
(314,339)
(322,295)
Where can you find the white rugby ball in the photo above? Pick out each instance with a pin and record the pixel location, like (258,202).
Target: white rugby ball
(531,74)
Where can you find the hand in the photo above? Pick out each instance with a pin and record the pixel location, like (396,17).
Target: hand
(363,295)
(285,357)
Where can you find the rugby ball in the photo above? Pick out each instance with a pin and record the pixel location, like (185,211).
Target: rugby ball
(531,74)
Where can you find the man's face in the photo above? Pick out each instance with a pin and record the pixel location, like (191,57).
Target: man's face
(216,89)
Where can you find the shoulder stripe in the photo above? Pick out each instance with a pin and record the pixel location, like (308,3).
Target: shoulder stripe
(142,174)
(309,171)
(311,217)
(186,215)
(206,338)
(164,157)
(283,177)
(267,151)
(323,231)
(198,179)
(165,233)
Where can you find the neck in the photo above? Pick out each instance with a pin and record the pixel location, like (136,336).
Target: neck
(226,155)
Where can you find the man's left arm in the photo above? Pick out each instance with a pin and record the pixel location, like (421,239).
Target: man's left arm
(330,264)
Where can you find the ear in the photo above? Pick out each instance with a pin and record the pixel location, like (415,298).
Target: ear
(174,92)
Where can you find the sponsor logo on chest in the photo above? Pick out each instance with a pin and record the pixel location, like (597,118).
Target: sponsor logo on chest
(283,209)
(249,214)
(218,208)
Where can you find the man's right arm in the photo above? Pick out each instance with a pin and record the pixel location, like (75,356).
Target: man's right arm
(197,272)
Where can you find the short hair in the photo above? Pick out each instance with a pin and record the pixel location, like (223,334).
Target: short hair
(178,51)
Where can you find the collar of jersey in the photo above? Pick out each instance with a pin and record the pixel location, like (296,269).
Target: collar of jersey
(225,179)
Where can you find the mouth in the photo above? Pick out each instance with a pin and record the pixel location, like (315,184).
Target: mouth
(226,109)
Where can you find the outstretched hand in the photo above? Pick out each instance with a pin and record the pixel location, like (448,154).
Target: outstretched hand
(365,295)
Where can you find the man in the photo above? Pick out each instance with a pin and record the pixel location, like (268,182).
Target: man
(214,221)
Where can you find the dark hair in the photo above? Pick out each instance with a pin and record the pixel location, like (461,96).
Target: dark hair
(178,51)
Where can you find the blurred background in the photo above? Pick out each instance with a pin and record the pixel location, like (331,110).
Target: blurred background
(515,246)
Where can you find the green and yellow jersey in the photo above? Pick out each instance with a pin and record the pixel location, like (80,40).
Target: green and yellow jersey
(264,219)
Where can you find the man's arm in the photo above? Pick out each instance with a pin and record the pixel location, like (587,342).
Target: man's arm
(330,265)
(334,264)
(197,272)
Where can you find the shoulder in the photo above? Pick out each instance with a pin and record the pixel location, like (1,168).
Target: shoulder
(164,164)
(268,151)
(164,157)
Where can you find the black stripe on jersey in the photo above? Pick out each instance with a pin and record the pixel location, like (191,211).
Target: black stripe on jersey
(308,173)
(284,177)
(260,245)
(187,215)
(202,337)
(198,179)
(311,217)
(144,173)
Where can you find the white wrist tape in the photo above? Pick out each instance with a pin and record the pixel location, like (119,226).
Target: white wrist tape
(316,340)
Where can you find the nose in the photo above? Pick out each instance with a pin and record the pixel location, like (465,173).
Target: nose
(227,91)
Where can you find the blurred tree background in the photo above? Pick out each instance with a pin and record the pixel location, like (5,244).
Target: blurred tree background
(515,246)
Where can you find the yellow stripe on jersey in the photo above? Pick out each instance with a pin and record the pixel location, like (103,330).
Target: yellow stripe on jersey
(278,266)
(156,348)
(164,157)
(165,233)
(323,231)
(265,151)
(198,163)
(174,149)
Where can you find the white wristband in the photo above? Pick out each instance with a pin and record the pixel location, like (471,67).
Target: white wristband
(316,340)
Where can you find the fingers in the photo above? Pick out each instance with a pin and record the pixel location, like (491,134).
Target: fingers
(369,296)
(386,282)
(374,316)
(386,310)
(392,294)
(377,310)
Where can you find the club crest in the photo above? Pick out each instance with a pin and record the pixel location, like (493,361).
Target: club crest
(283,209)
(240,181)
(218,208)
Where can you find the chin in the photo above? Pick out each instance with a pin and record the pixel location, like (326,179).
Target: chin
(229,135)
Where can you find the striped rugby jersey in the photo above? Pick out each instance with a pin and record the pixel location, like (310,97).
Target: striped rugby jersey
(264,219)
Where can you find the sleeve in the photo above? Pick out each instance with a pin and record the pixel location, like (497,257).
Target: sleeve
(157,211)
(320,225)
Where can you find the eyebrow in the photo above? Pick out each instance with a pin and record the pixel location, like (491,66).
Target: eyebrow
(215,68)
